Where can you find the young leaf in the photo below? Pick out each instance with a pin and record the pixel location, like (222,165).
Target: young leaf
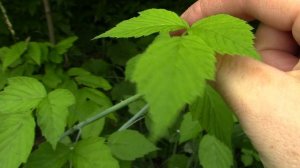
(213,153)
(16,139)
(93,81)
(86,109)
(214,115)
(171,73)
(13,54)
(46,157)
(63,46)
(78,72)
(178,161)
(93,153)
(226,35)
(129,145)
(21,95)
(148,22)
(52,114)
(189,128)
(35,52)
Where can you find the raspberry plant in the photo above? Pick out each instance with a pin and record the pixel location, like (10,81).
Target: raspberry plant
(171,83)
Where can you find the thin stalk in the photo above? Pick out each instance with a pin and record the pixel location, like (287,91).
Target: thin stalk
(134,118)
(7,22)
(100,115)
(49,19)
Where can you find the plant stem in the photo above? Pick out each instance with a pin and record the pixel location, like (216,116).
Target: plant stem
(7,22)
(49,21)
(100,115)
(134,118)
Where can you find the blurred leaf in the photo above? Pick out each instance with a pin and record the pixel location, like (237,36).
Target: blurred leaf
(189,128)
(63,46)
(214,154)
(13,54)
(129,145)
(130,67)
(78,72)
(96,66)
(51,77)
(46,157)
(121,52)
(178,161)
(122,90)
(93,153)
(35,52)
(214,115)
(136,106)
(93,81)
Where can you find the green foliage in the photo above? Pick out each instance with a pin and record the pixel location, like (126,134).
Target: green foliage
(93,153)
(129,145)
(213,153)
(52,114)
(49,158)
(16,139)
(226,35)
(13,54)
(57,99)
(22,94)
(148,22)
(214,115)
(189,128)
(172,62)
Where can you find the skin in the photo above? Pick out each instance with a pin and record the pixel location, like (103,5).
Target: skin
(264,95)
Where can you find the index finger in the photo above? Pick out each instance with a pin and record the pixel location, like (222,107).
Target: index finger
(276,13)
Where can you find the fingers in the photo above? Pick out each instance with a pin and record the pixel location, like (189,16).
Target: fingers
(276,13)
(204,8)
(278,48)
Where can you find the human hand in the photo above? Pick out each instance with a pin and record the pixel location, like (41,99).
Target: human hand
(265,96)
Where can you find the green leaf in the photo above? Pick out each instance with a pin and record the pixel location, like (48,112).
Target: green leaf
(214,115)
(52,114)
(226,35)
(16,139)
(178,161)
(93,153)
(171,73)
(63,46)
(21,95)
(13,54)
(93,81)
(129,145)
(96,96)
(122,90)
(86,109)
(189,128)
(46,157)
(52,77)
(213,153)
(130,67)
(35,52)
(148,22)
(121,52)
(90,102)
(78,72)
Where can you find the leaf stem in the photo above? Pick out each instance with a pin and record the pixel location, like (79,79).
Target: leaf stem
(134,118)
(100,115)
